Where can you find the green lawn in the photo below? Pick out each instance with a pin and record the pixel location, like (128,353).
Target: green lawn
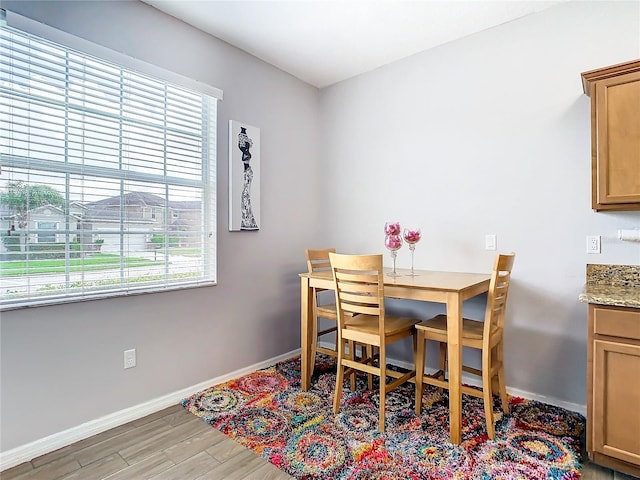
(97,261)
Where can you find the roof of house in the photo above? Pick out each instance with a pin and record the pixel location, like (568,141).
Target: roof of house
(109,208)
(104,209)
(130,199)
(6,213)
(144,199)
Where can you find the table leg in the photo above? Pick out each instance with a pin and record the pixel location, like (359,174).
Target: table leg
(306,331)
(454,345)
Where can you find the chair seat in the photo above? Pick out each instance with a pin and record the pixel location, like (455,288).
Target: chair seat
(369,324)
(471,329)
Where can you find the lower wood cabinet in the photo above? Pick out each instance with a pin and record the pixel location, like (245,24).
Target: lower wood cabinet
(613,394)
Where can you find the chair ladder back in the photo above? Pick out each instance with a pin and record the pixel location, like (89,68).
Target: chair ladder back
(497,296)
(359,285)
(318,260)
(358,296)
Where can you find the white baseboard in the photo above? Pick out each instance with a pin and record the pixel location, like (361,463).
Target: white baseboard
(476,382)
(48,444)
(45,445)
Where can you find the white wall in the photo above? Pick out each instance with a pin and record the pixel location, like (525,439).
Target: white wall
(489,134)
(63,365)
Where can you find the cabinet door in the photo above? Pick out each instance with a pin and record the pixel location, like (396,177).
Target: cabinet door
(618,139)
(616,402)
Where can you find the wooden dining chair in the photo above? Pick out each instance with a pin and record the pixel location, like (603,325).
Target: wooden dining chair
(318,261)
(485,335)
(359,290)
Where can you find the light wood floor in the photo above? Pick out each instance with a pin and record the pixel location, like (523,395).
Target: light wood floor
(170,445)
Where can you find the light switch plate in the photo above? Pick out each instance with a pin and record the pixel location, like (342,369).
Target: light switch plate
(490,241)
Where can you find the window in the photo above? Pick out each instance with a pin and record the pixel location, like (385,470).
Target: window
(87,148)
(47,236)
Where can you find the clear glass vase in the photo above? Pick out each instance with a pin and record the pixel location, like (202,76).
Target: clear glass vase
(411,237)
(393,244)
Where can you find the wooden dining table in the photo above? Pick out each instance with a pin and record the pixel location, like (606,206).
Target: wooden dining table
(449,288)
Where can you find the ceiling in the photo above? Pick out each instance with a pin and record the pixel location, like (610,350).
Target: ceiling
(325,41)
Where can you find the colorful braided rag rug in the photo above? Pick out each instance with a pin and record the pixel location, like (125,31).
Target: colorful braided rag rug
(298,432)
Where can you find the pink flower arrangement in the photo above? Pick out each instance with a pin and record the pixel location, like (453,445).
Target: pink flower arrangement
(393,242)
(412,236)
(392,228)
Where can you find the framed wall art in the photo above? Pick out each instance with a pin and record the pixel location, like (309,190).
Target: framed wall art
(244,177)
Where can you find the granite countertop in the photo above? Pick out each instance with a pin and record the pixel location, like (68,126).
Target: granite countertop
(617,285)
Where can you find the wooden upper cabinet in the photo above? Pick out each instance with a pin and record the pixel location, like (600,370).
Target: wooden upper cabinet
(615,135)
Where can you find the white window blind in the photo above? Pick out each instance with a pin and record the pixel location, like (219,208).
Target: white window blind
(121,163)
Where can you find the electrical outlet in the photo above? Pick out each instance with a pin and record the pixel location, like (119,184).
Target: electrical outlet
(130,358)
(593,244)
(490,242)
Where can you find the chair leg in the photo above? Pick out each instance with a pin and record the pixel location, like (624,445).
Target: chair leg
(443,364)
(487,396)
(383,388)
(314,347)
(419,363)
(352,356)
(502,386)
(369,375)
(337,396)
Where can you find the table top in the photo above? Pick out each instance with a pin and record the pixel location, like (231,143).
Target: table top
(424,279)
